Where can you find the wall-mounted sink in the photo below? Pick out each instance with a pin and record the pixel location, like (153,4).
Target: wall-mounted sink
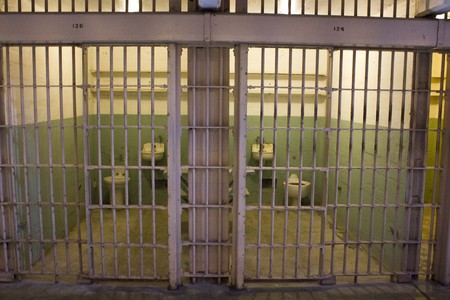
(267,151)
(157,149)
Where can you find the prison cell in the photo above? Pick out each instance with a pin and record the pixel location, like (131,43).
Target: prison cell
(173,161)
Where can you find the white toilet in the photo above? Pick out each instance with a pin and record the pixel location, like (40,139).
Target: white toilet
(119,187)
(293,189)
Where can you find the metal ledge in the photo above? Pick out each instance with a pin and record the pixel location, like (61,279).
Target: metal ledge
(228,29)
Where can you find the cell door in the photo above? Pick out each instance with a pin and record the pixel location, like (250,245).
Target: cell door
(125,117)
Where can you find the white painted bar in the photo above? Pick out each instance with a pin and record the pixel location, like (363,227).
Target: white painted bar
(239,171)
(174,166)
(68,28)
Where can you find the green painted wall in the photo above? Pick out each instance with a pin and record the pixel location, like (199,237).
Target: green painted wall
(357,190)
(160,195)
(44,183)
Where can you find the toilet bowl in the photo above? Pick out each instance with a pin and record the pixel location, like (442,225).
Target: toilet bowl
(293,189)
(119,187)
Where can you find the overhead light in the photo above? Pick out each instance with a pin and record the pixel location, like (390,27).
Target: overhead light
(210,4)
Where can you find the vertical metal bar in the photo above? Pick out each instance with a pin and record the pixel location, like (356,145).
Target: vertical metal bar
(36,133)
(63,156)
(417,161)
(260,173)
(208,130)
(363,167)
(24,154)
(6,225)
(173,164)
(287,153)
(175,5)
(327,159)
(408,7)
(99,158)
(313,180)
(12,160)
(194,161)
(152,113)
(375,160)
(442,252)
(241,6)
(396,227)
(87,194)
(50,159)
(337,160)
(220,192)
(302,128)
(113,155)
(350,163)
(274,162)
(139,121)
(77,179)
(125,154)
(388,158)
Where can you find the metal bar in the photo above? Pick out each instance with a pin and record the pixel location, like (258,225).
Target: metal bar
(174,6)
(442,250)
(5,209)
(388,158)
(36,133)
(363,156)
(208,186)
(163,28)
(50,160)
(139,121)
(287,153)
(173,165)
(327,158)
(302,125)
(260,173)
(63,156)
(375,160)
(125,152)
(152,83)
(99,159)
(194,114)
(113,155)
(350,161)
(24,154)
(417,158)
(337,161)
(239,171)
(87,194)
(221,161)
(400,161)
(274,161)
(241,6)
(77,179)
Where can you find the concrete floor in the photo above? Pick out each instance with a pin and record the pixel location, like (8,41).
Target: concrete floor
(257,265)
(38,290)
(148,262)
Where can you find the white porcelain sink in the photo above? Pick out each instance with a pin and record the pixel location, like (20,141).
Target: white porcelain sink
(157,149)
(267,151)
